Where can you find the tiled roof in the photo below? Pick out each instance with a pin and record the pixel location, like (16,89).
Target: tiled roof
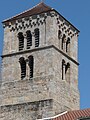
(40,8)
(74,115)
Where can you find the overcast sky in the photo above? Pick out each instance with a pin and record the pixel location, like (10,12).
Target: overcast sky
(78,13)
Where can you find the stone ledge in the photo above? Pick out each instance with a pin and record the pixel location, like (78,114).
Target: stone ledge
(40,103)
(27,111)
(41,48)
(38,78)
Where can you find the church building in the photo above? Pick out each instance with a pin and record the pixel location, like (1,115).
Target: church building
(40,67)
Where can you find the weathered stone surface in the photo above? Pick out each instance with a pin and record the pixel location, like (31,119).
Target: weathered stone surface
(52,94)
(27,111)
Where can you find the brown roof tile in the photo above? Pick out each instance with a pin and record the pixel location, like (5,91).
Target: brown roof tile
(40,8)
(74,115)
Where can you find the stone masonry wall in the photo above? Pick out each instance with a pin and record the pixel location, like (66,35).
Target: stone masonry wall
(27,111)
(11,69)
(48,23)
(67,91)
(46,87)
(46,84)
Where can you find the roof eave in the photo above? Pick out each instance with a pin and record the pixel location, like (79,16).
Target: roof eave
(12,18)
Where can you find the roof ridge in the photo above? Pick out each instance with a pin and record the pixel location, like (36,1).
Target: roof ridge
(36,6)
(46,5)
(21,12)
(80,110)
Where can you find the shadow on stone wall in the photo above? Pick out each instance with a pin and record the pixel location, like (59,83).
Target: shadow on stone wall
(0,74)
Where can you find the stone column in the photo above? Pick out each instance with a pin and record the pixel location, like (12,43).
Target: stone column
(33,40)
(64,71)
(60,42)
(64,46)
(25,42)
(27,69)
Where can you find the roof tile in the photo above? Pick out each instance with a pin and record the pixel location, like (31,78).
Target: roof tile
(40,8)
(74,115)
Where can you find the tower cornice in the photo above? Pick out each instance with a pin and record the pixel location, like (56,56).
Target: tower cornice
(41,48)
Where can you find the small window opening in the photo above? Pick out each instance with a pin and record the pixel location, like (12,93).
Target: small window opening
(59,34)
(67,66)
(23,67)
(67,72)
(36,37)
(31,62)
(68,45)
(29,39)
(63,69)
(21,41)
(63,41)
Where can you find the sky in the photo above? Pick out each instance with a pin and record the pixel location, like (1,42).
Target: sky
(75,11)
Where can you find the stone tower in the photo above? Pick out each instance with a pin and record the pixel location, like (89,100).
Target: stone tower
(39,65)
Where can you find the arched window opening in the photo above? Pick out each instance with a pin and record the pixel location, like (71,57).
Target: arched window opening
(29,39)
(23,67)
(63,69)
(67,72)
(31,62)
(21,41)
(63,41)
(68,45)
(36,37)
(59,34)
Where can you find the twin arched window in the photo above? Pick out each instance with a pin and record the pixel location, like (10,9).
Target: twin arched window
(65,44)
(23,63)
(29,39)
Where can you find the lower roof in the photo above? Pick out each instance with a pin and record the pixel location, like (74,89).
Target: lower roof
(72,115)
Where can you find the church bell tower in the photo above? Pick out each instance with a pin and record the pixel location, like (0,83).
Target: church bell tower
(39,65)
